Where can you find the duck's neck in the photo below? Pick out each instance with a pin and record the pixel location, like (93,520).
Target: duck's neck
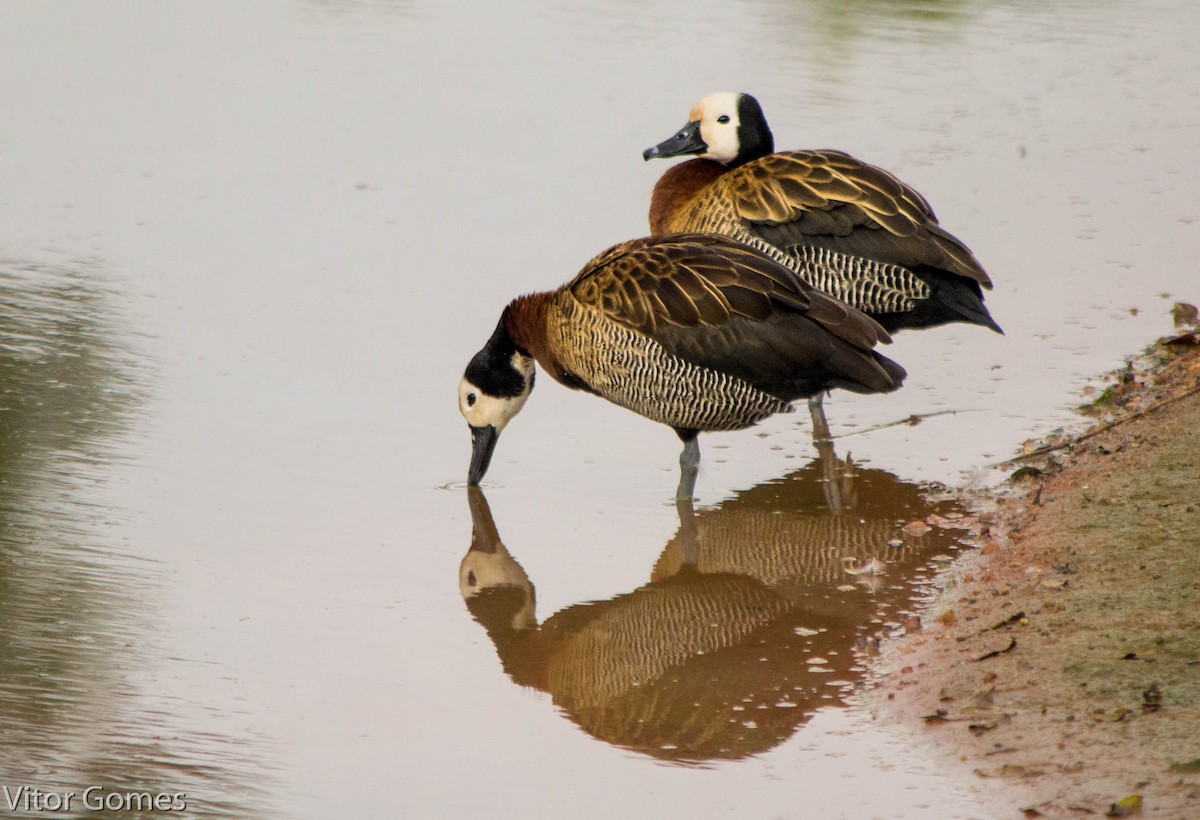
(676,188)
(525,321)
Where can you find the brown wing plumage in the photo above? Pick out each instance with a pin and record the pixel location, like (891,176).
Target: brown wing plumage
(722,305)
(829,199)
(704,280)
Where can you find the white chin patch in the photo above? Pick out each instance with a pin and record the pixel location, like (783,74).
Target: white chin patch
(720,137)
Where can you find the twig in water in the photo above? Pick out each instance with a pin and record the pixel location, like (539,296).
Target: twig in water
(911,421)
(1095,431)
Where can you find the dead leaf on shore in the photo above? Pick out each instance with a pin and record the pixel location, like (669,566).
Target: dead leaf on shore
(1016,617)
(1125,806)
(1114,715)
(1012,643)
(1190,767)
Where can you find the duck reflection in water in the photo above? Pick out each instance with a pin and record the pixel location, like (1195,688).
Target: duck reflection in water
(747,625)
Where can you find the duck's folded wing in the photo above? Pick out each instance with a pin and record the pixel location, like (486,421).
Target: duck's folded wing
(827,199)
(722,305)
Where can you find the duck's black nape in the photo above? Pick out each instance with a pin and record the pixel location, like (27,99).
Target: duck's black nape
(754,135)
(491,369)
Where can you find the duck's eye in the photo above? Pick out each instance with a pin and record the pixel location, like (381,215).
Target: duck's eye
(723,119)
(470,400)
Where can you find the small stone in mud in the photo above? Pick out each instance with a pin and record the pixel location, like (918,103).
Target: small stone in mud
(1183,313)
(984,697)
(1152,699)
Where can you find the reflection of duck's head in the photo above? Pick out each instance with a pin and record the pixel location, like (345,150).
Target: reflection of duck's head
(494,585)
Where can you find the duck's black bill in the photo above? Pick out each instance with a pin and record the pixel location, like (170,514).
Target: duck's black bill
(483,444)
(687,141)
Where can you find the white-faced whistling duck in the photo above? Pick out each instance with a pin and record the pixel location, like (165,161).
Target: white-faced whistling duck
(692,330)
(847,228)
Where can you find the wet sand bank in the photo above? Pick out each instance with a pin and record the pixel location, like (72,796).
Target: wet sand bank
(1060,666)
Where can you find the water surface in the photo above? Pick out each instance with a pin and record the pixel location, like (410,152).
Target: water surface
(245,253)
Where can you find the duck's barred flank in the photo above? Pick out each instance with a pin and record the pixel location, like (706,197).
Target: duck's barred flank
(635,372)
(871,286)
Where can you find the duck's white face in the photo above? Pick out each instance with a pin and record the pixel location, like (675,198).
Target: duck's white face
(718,118)
(494,388)
(482,410)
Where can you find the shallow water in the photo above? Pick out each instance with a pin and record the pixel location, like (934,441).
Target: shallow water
(245,252)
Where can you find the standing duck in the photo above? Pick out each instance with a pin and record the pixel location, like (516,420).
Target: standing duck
(847,228)
(695,331)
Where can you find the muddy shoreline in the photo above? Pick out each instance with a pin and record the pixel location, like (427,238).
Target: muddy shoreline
(1059,668)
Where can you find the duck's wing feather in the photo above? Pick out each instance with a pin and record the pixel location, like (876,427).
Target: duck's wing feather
(723,305)
(829,199)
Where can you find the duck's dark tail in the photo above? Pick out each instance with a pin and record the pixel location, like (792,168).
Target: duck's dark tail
(952,299)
